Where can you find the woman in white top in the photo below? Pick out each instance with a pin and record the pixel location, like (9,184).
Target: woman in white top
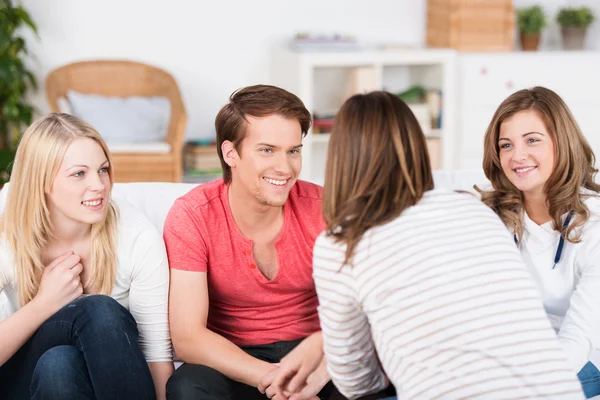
(542,172)
(422,285)
(87,284)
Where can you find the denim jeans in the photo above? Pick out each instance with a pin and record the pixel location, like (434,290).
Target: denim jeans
(589,376)
(87,350)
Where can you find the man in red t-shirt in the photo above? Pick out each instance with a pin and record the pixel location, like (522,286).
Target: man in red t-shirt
(240,250)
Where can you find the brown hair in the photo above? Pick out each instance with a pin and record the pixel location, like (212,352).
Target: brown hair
(377,166)
(573,165)
(257,101)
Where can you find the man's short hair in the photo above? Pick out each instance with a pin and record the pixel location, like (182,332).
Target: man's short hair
(257,101)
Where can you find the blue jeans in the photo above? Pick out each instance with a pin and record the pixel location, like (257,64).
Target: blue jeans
(589,376)
(87,350)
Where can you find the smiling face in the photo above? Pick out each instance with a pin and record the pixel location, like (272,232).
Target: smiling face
(269,159)
(81,187)
(526,151)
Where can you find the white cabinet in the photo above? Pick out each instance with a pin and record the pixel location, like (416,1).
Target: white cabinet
(473,85)
(485,80)
(323,80)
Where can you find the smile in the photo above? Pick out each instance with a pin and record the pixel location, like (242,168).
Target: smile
(276,182)
(524,169)
(92,203)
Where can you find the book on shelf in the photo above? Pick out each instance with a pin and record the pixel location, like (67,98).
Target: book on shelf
(323,125)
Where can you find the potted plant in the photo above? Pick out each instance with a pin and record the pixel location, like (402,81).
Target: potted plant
(574,23)
(15,81)
(531,21)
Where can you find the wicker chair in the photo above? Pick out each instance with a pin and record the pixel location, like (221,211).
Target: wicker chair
(126,78)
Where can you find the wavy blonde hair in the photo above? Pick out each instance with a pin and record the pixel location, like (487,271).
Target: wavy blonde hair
(377,166)
(26,224)
(573,164)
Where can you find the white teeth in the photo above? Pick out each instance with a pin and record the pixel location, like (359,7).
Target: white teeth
(276,182)
(521,170)
(92,203)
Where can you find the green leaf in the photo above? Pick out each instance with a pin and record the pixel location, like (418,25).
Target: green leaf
(32,80)
(579,17)
(10,110)
(531,19)
(24,16)
(16,47)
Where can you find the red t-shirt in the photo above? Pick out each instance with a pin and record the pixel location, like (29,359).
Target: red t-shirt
(244,307)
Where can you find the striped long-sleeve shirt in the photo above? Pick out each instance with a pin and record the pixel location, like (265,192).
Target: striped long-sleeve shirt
(442,301)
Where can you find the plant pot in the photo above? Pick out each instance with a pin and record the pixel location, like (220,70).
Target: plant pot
(573,37)
(530,41)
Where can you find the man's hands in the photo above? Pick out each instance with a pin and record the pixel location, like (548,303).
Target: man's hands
(300,375)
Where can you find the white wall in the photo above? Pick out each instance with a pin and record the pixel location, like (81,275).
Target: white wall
(211,47)
(215,47)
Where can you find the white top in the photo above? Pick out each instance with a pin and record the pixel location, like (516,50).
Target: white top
(442,301)
(141,285)
(570,291)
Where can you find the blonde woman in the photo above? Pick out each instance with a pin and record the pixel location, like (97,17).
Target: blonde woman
(542,172)
(87,284)
(422,283)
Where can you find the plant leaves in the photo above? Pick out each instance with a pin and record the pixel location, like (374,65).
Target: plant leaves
(24,16)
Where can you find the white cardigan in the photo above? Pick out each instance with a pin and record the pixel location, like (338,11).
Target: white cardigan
(141,286)
(570,291)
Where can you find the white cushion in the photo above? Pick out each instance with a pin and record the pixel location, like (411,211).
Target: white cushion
(151,147)
(133,119)
(64,106)
(152,198)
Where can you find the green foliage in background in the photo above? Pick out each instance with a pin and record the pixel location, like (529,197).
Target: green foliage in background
(15,79)
(531,19)
(577,17)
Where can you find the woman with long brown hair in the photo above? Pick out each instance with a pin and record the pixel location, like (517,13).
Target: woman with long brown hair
(422,283)
(542,171)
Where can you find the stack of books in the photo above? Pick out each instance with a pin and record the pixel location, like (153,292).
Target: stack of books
(200,158)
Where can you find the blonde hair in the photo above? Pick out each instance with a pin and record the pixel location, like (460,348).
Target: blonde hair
(377,166)
(26,224)
(573,164)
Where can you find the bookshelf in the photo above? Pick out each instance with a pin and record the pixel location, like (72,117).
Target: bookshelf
(323,80)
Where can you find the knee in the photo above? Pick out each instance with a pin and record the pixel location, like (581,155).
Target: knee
(59,374)
(181,386)
(107,314)
(191,381)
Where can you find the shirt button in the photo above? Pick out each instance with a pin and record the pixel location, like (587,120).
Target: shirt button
(252,266)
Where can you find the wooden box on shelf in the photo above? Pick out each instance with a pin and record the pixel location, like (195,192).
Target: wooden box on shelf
(471,25)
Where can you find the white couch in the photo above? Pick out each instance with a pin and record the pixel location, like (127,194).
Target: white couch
(155,199)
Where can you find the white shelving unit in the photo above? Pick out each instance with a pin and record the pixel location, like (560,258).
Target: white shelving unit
(321,79)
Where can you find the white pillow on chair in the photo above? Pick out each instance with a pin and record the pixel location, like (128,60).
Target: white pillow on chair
(133,119)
